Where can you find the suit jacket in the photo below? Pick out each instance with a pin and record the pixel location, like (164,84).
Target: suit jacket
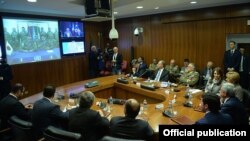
(232,61)
(118,63)
(93,61)
(46,113)
(236,110)
(215,118)
(213,87)
(164,75)
(10,106)
(246,64)
(129,128)
(89,123)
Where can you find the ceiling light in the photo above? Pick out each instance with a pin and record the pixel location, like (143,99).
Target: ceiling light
(113,33)
(193,2)
(139,7)
(31,0)
(157,7)
(115,12)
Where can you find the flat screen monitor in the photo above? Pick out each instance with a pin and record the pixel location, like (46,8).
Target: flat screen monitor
(72,47)
(71,29)
(31,40)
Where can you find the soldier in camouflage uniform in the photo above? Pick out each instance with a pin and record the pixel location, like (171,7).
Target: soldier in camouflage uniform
(190,77)
(173,70)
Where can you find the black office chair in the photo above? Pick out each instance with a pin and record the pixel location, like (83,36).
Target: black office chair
(21,130)
(55,134)
(109,138)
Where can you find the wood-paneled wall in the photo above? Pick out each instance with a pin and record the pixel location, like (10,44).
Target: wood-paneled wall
(35,76)
(199,35)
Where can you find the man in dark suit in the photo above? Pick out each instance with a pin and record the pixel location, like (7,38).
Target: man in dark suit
(232,58)
(93,62)
(10,106)
(87,121)
(161,74)
(210,104)
(244,70)
(116,62)
(232,106)
(206,73)
(5,77)
(142,67)
(129,127)
(46,113)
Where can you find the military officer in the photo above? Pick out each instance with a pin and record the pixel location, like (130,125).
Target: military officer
(190,77)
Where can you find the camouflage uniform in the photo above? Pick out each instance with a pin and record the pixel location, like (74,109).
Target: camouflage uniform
(190,78)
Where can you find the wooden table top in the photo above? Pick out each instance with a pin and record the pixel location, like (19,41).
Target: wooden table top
(153,116)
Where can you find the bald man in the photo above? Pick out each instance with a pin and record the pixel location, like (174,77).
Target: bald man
(161,74)
(116,62)
(207,73)
(129,127)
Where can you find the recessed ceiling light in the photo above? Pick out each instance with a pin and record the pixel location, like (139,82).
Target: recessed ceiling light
(193,2)
(115,12)
(157,7)
(139,7)
(31,0)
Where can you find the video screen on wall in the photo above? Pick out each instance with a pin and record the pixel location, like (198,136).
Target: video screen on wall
(72,47)
(31,40)
(72,37)
(71,29)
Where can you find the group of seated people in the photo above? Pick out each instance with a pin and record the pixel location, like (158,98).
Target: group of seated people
(91,124)
(221,106)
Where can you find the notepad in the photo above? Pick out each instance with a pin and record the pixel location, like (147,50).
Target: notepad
(182,120)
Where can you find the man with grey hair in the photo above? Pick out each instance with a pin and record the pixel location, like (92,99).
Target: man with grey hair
(190,77)
(231,105)
(87,121)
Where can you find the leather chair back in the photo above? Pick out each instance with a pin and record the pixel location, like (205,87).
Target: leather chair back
(21,130)
(55,134)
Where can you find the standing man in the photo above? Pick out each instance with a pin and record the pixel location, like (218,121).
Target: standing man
(93,62)
(5,78)
(244,70)
(232,58)
(116,62)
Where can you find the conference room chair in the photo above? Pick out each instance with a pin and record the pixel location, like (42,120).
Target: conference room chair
(109,138)
(124,66)
(4,133)
(55,134)
(21,130)
(107,69)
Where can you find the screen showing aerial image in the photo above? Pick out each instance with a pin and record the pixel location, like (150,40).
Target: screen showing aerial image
(29,40)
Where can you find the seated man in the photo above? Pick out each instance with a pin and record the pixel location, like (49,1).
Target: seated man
(210,104)
(173,70)
(232,105)
(190,77)
(46,113)
(10,106)
(161,74)
(153,65)
(129,127)
(206,73)
(185,65)
(87,121)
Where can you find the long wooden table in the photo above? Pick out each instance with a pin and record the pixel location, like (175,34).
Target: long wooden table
(109,87)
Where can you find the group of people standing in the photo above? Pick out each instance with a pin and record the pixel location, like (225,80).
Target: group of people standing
(98,61)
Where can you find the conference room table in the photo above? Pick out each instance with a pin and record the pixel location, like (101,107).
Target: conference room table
(108,86)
